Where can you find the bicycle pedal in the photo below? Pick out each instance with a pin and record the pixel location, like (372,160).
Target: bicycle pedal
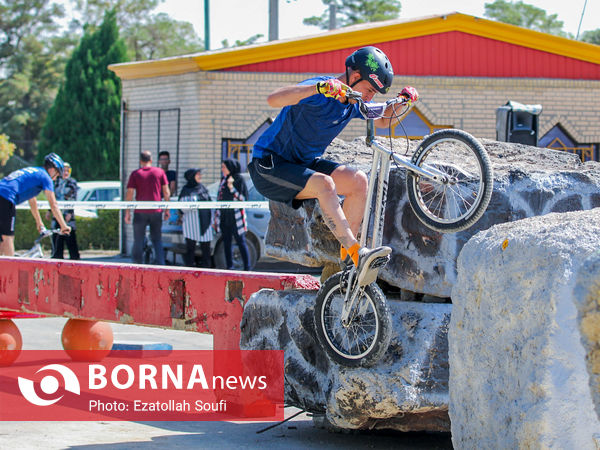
(379,262)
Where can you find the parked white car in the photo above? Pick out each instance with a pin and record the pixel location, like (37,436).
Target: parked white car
(96,191)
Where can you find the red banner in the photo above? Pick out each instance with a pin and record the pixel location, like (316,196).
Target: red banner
(170,385)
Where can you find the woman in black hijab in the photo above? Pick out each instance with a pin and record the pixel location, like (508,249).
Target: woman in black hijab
(196,222)
(232,222)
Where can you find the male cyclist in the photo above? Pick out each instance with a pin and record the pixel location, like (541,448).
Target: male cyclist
(26,184)
(287,164)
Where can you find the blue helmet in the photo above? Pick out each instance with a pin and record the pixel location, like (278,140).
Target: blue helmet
(55,161)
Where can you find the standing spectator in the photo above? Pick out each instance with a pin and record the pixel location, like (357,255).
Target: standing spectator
(232,222)
(149,184)
(65,188)
(26,184)
(164,159)
(196,222)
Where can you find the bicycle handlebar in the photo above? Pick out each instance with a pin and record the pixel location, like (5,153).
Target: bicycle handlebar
(373,110)
(45,233)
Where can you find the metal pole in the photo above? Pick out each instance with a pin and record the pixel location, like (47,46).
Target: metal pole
(581,20)
(158,139)
(178,132)
(206,25)
(140,133)
(332,14)
(122,235)
(273,20)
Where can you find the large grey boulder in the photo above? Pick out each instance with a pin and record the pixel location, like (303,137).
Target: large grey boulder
(528,181)
(407,390)
(524,335)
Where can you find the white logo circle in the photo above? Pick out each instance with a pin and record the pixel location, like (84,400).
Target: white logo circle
(49,385)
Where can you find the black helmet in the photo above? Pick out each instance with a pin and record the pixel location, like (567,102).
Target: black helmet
(52,159)
(373,66)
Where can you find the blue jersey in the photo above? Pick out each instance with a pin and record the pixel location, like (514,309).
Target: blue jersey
(302,132)
(23,184)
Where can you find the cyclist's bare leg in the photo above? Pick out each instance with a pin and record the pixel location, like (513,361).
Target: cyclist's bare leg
(367,261)
(323,188)
(7,246)
(352,184)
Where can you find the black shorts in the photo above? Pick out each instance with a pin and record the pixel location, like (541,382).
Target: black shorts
(7,217)
(280,180)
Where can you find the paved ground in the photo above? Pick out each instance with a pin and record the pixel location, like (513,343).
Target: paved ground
(299,433)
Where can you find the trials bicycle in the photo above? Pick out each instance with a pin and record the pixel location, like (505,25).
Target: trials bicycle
(449,183)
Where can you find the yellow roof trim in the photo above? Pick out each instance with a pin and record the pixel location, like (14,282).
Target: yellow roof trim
(357,36)
(155,68)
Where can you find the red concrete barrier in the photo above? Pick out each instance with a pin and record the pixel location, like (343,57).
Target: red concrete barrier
(205,301)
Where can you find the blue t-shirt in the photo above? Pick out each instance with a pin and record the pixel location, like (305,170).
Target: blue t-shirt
(23,184)
(302,132)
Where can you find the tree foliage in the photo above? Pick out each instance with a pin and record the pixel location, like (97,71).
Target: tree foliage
(25,18)
(524,15)
(251,40)
(147,35)
(350,12)
(591,36)
(33,75)
(160,36)
(33,51)
(84,121)
(7,149)
(35,45)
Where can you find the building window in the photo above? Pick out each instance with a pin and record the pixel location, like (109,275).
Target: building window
(558,139)
(241,149)
(415,124)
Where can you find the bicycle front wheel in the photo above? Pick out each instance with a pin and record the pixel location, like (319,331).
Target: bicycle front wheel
(461,198)
(366,337)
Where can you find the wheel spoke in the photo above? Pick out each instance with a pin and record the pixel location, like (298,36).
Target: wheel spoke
(358,337)
(460,195)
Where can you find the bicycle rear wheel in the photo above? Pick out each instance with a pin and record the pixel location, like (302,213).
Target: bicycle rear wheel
(367,336)
(461,199)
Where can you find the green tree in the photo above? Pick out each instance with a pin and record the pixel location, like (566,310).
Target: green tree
(524,15)
(147,35)
(83,124)
(159,36)
(33,51)
(7,149)
(591,36)
(24,18)
(33,76)
(251,40)
(350,12)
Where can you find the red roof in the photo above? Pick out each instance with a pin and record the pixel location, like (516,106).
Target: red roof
(452,44)
(452,53)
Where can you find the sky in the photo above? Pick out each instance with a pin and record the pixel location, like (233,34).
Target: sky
(240,19)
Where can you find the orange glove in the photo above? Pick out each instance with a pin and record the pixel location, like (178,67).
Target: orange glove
(331,88)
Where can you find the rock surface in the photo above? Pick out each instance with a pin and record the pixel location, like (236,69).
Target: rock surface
(407,390)
(528,181)
(524,334)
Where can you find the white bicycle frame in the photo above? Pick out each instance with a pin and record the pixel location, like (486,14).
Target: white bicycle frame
(36,251)
(378,183)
